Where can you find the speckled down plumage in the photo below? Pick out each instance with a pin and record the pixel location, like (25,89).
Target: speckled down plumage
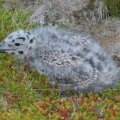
(72,60)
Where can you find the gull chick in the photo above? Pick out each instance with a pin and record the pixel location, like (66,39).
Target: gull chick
(72,60)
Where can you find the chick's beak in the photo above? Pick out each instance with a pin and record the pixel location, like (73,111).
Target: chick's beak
(2,49)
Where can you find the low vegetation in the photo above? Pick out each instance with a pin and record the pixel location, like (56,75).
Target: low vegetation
(26,94)
(113,7)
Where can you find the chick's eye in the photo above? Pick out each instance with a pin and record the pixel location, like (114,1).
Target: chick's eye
(20,52)
(17,44)
(13,40)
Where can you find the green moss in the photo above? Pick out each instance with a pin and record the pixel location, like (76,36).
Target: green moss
(113,7)
(11,20)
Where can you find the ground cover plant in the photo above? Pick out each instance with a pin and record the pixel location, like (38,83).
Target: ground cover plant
(26,94)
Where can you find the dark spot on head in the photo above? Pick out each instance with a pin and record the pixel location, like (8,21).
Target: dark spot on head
(20,52)
(17,44)
(31,41)
(12,53)
(21,38)
(3,42)
(27,36)
(9,45)
(13,40)
(28,33)
(30,48)
(10,37)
